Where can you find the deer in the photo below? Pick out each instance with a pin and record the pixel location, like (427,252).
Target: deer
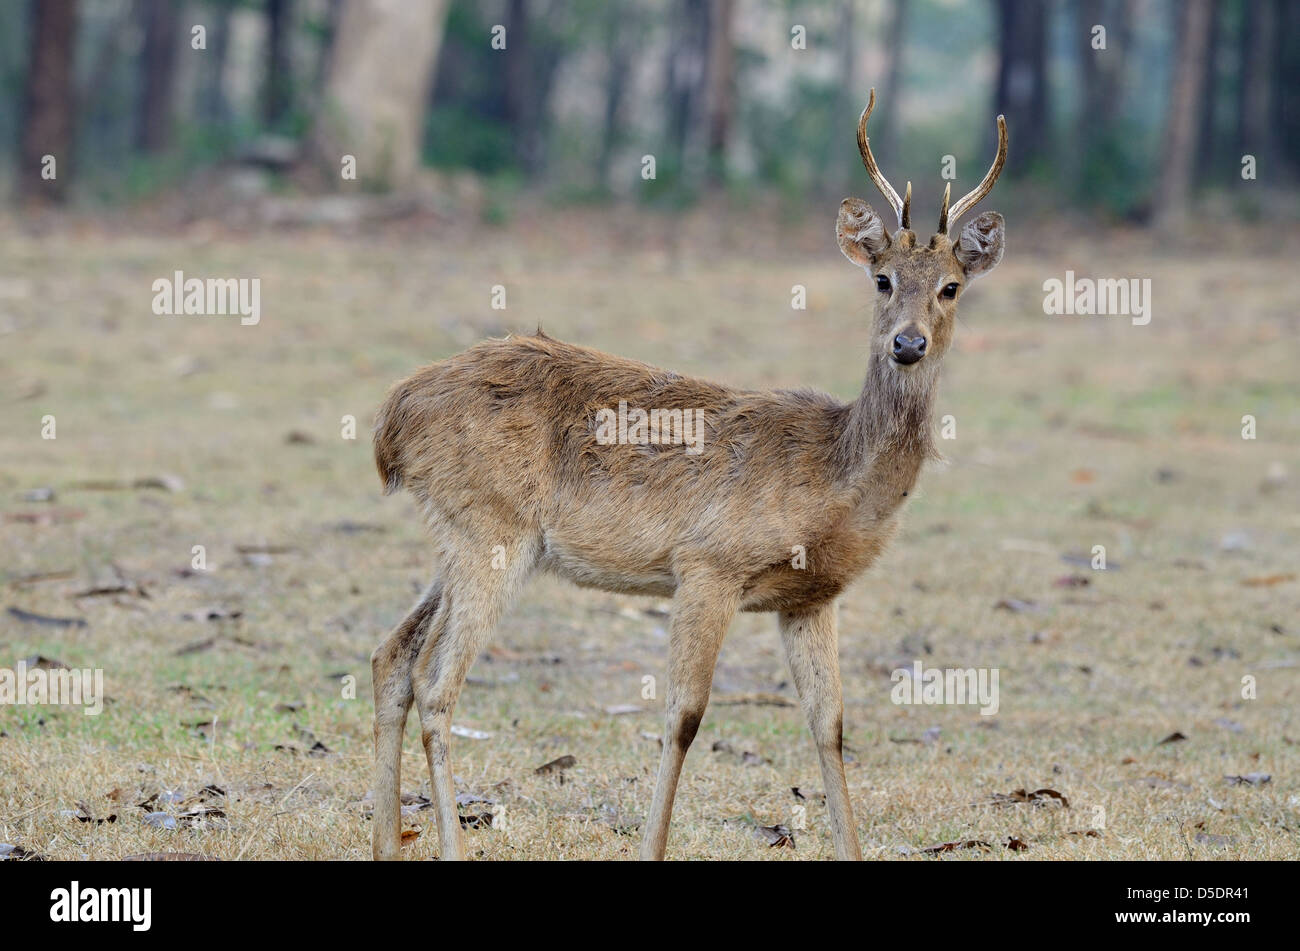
(499,446)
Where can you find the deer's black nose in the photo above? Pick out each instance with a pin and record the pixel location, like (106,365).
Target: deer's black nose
(908,350)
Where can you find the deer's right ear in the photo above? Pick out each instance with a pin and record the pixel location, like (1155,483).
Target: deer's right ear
(860,232)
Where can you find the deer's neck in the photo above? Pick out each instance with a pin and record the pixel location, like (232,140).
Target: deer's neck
(888,434)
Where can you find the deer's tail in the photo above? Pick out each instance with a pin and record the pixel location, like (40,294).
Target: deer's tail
(389,426)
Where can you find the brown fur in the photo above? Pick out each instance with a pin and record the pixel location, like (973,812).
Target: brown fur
(498,445)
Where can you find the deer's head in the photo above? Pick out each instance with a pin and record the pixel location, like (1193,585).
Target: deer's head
(917,286)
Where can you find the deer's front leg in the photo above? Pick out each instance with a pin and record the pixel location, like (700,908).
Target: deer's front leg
(812,649)
(702,610)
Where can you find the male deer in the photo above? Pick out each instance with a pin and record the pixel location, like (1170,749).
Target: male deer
(499,446)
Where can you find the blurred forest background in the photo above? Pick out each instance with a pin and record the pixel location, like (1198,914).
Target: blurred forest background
(742,97)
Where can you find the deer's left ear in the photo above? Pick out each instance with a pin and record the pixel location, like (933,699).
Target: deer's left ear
(979,247)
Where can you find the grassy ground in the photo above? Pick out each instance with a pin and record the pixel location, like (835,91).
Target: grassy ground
(1070,433)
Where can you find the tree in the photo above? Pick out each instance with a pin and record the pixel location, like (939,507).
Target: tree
(48,104)
(622,23)
(158,71)
(721,85)
(212,103)
(1286,81)
(1021,93)
(1207,155)
(686,73)
(279,71)
(888,132)
(1178,156)
(1255,131)
(376,87)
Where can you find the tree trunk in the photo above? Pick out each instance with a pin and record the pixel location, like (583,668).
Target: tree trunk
(1206,164)
(158,72)
(890,129)
(1286,81)
(213,105)
(48,105)
(1022,79)
(376,88)
(721,86)
(687,68)
(518,72)
(1179,153)
(618,51)
(1254,128)
(279,66)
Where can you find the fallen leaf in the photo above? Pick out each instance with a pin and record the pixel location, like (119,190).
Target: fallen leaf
(776,837)
(41,662)
(16,853)
(1267,581)
(1072,581)
(212,614)
(84,814)
(1249,779)
(557,765)
(953,846)
(201,815)
(166,481)
(1039,797)
(30,618)
(1017,606)
(1175,737)
(469,734)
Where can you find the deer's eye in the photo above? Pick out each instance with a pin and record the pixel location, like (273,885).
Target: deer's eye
(882,283)
(949,291)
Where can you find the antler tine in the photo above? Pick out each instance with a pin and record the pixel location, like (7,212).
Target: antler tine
(905,219)
(943,210)
(983,188)
(869,160)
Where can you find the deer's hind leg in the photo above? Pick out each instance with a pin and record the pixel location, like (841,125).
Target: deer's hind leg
(390,668)
(479,581)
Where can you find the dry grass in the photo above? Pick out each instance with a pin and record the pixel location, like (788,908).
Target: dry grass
(1070,433)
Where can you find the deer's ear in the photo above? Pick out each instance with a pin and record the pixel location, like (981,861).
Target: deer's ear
(979,247)
(860,232)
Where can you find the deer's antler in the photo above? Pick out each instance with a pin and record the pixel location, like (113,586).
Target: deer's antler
(902,207)
(971,199)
